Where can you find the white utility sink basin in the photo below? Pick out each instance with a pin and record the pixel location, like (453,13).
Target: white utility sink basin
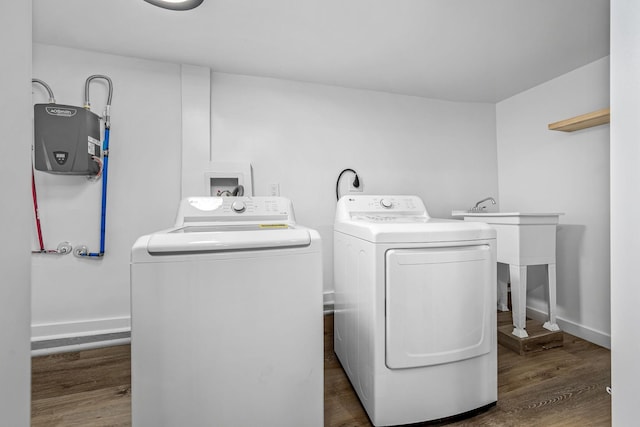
(509,217)
(522,239)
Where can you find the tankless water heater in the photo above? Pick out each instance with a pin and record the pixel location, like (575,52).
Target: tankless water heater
(66,138)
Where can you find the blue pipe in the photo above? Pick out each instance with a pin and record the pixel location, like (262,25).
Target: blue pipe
(103,215)
(105,169)
(105,160)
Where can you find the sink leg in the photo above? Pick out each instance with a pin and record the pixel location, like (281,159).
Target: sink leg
(503,293)
(551,324)
(518,275)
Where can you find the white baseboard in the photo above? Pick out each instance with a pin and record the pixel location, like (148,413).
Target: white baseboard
(597,337)
(328,301)
(48,338)
(80,328)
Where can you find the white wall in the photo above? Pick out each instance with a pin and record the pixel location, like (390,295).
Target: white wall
(548,171)
(625,209)
(73,296)
(295,134)
(15,128)
(302,135)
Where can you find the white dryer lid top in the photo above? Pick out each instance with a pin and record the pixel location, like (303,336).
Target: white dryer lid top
(419,231)
(401,219)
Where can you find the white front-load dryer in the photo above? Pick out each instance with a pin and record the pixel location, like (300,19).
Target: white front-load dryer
(415,319)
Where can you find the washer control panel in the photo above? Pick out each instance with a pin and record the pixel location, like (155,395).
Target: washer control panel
(386,203)
(239,206)
(226,209)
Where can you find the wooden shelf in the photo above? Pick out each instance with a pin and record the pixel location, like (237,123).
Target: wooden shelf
(584,121)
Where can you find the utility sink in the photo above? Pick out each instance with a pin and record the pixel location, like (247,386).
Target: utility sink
(508,217)
(522,239)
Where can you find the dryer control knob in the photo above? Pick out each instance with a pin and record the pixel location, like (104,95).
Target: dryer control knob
(238,206)
(386,203)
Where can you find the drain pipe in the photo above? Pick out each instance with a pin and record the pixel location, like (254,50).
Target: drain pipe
(52,100)
(64,247)
(83,251)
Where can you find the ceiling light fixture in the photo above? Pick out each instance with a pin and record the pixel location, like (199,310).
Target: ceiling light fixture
(176,4)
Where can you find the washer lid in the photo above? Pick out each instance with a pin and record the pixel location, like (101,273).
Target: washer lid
(181,240)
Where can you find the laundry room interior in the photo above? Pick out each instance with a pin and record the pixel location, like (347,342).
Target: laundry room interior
(310,93)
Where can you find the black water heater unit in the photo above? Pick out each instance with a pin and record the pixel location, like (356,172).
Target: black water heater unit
(65,139)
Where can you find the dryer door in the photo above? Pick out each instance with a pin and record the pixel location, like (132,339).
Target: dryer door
(438,304)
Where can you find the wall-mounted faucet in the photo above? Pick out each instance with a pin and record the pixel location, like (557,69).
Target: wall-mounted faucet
(478,208)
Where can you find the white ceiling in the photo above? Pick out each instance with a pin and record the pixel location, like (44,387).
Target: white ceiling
(459,50)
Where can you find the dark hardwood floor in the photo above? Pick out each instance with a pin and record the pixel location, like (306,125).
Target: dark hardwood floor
(563,386)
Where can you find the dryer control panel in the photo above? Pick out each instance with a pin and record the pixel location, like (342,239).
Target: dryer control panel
(352,206)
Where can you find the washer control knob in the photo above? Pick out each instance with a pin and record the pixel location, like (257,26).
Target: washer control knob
(386,203)
(238,206)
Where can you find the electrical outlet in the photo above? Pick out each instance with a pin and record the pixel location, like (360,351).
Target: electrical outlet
(353,189)
(273,189)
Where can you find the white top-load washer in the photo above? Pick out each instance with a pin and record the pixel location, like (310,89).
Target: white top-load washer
(415,318)
(227,318)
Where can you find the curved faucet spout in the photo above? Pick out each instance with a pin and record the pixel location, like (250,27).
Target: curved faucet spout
(493,202)
(478,208)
